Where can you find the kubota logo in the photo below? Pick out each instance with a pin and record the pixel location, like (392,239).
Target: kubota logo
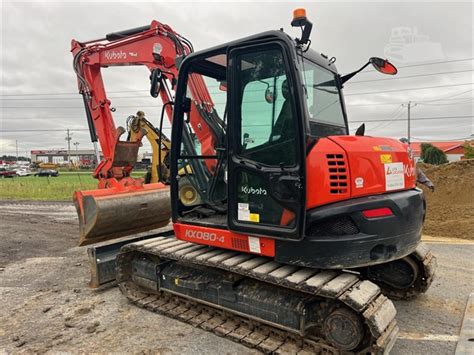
(206,236)
(111,55)
(249,190)
(409,170)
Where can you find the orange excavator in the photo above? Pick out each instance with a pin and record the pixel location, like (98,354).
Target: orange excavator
(301,232)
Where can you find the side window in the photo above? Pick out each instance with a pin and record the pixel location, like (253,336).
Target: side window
(267,123)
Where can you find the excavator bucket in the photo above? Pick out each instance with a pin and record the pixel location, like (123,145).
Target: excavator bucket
(107,214)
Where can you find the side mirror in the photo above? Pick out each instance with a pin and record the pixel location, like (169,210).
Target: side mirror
(223,86)
(270,95)
(155,82)
(383,66)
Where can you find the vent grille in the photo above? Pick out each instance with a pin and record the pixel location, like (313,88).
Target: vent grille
(336,226)
(337,173)
(240,244)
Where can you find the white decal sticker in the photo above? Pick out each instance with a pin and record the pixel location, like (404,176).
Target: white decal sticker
(254,245)
(359,182)
(243,213)
(394,176)
(243,206)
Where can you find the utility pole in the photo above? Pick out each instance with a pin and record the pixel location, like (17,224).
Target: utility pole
(77,154)
(409,106)
(16,145)
(68,138)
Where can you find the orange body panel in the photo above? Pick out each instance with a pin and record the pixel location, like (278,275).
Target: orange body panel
(368,157)
(323,162)
(343,167)
(224,238)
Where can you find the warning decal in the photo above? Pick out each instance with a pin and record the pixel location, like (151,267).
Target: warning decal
(394,177)
(244,214)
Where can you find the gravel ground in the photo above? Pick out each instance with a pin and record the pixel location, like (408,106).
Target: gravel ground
(47,306)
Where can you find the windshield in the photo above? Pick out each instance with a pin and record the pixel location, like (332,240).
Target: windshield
(324,104)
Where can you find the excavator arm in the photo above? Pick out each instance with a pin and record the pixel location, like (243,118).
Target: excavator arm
(123,204)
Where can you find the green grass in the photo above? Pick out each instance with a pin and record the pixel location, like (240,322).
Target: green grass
(59,188)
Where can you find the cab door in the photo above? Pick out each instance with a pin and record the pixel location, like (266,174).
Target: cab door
(266,153)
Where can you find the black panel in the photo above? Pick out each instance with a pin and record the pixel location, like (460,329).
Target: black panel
(328,242)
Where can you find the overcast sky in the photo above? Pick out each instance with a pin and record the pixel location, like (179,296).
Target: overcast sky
(35,59)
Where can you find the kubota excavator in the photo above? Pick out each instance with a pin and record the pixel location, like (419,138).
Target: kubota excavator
(302,230)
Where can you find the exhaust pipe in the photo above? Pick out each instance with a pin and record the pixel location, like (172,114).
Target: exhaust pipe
(107,214)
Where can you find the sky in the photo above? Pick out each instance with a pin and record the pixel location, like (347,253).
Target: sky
(430,42)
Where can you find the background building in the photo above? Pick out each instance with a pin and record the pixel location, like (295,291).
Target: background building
(80,157)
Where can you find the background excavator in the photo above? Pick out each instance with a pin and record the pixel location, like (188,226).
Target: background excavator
(138,126)
(301,230)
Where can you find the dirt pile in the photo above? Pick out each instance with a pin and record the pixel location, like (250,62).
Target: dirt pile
(451,207)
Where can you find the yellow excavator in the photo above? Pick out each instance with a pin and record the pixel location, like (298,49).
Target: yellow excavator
(138,126)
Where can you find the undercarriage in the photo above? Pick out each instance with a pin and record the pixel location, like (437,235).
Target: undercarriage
(268,305)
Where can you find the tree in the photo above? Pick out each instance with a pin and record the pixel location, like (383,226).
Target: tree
(432,155)
(468,150)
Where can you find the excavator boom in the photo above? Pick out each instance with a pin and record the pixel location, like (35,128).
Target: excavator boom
(123,204)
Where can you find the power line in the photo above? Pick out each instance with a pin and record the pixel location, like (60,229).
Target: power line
(128,91)
(76,107)
(445,98)
(443,140)
(42,130)
(71,93)
(411,119)
(148,97)
(467,101)
(363,121)
(79,98)
(409,76)
(406,89)
(154,106)
(448,97)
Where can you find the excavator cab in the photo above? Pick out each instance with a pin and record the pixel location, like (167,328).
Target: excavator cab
(256,181)
(285,179)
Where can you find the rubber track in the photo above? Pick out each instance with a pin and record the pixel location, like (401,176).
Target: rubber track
(427,265)
(363,296)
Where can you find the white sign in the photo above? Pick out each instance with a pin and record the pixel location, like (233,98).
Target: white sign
(243,213)
(254,245)
(394,176)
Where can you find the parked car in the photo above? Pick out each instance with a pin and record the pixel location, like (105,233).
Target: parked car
(47,172)
(23,172)
(5,173)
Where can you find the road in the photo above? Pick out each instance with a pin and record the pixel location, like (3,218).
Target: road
(47,305)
